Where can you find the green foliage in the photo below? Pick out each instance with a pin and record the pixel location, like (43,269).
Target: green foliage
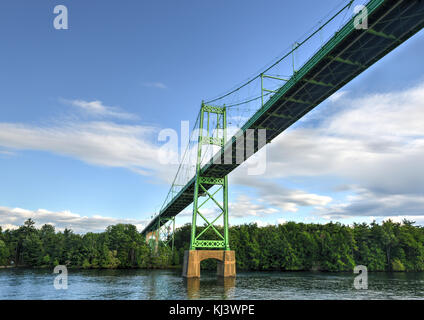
(330,247)
(288,247)
(120,246)
(397,265)
(4,253)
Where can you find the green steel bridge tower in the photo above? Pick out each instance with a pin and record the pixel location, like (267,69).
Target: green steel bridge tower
(205,138)
(202,186)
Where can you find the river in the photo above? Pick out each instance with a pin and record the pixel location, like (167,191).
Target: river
(37,284)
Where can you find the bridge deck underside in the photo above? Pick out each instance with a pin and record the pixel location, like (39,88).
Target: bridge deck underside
(344,57)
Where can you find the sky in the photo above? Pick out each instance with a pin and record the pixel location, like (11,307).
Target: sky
(81,110)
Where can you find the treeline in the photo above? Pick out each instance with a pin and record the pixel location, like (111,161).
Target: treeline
(289,247)
(120,246)
(330,247)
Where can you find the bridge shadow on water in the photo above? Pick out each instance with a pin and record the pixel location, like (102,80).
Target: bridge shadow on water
(210,286)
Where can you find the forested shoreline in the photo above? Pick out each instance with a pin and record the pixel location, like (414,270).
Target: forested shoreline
(291,246)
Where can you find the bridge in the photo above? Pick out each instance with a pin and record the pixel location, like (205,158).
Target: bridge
(366,37)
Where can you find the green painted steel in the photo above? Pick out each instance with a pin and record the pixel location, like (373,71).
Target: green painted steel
(163,235)
(211,180)
(204,183)
(263,76)
(346,55)
(207,244)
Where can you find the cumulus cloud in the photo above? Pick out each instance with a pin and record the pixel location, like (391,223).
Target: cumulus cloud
(374,135)
(12,218)
(244,206)
(365,203)
(274,195)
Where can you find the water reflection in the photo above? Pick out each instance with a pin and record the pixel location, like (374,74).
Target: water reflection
(199,288)
(193,287)
(229,285)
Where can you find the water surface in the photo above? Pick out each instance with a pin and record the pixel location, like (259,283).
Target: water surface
(168,284)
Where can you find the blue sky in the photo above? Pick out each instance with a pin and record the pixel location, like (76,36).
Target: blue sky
(81,108)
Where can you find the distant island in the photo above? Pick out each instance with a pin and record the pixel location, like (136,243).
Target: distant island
(331,247)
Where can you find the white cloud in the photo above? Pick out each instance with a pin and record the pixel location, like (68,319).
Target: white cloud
(417,219)
(98,109)
(98,143)
(12,218)
(369,137)
(274,195)
(243,207)
(376,205)
(281,221)
(337,95)
(103,143)
(262,224)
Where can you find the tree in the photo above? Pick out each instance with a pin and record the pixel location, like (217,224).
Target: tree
(50,244)
(32,250)
(389,239)
(4,254)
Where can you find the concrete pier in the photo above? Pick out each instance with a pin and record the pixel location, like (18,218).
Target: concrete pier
(226,262)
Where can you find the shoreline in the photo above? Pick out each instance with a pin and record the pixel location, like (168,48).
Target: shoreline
(180,268)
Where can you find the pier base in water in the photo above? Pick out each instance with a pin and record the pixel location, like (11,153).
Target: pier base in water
(226,262)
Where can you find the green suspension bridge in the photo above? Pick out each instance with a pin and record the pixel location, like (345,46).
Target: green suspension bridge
(229,127)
